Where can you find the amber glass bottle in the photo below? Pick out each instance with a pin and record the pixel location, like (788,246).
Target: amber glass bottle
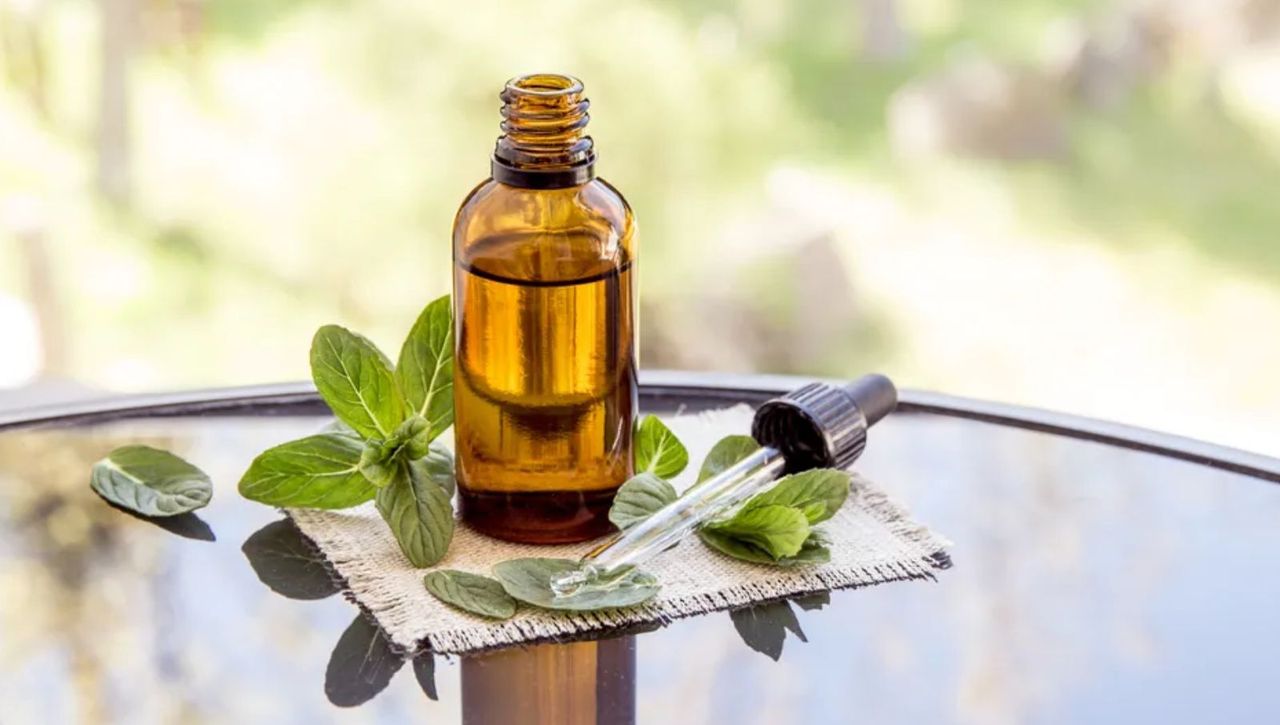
(544,295)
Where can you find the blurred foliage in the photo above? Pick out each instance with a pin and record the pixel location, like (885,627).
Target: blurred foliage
(297,162)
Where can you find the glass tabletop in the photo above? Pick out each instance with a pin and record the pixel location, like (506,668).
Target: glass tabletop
(1091,582)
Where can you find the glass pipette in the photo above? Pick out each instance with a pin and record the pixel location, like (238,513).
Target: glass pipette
(815,426)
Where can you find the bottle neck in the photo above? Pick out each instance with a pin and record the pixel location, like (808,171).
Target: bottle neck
(544,143)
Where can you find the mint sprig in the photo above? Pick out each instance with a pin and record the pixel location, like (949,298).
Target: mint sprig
(381,444)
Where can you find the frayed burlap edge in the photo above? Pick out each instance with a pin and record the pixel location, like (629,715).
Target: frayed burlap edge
(360,587)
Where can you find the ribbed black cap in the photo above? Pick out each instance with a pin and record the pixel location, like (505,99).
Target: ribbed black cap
(824,426)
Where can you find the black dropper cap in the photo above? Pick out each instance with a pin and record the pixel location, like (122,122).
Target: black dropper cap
(875,395)
(824,426)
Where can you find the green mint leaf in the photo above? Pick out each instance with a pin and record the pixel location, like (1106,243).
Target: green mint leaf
(529,580)
(425,368)
(728,451)
(378,465)
(381,461)
(657,450)
(639,498)
(361,665)
(729,546)
(150,482)
(814,511)
(286,562)
(819,493)
(420,516)
(436,467)
(764,627)
(414,436)
(471,592)
(320,471)
(355,379)
(813,551)
(778,530)
(337,427)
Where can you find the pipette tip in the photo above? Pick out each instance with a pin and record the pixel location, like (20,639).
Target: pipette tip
(568,583)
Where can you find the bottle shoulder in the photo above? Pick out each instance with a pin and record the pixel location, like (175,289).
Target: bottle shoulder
(552,232)
(492,205)
(605,198)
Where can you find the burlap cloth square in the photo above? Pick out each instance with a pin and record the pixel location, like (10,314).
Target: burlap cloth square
(873,541)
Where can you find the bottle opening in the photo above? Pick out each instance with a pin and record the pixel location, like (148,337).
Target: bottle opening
(544,84)
(544,142)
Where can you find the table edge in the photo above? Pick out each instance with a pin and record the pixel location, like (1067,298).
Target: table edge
(669,390)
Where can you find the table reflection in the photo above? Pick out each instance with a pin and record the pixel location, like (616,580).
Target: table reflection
(576,683)
(1090,582)
(568,683)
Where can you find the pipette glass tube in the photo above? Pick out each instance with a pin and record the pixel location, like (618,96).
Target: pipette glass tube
(701,503)
(818,425)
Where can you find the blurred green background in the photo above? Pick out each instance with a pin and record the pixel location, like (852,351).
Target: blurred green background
(1065,203)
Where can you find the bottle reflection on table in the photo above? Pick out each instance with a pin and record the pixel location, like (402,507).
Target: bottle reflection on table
(578,683)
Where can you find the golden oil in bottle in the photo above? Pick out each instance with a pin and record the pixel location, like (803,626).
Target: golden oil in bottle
(544,295)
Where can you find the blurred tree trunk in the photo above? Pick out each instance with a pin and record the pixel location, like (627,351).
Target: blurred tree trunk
(43,292)
(119,21)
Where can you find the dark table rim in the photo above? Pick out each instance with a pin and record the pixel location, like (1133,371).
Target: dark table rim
(666,390)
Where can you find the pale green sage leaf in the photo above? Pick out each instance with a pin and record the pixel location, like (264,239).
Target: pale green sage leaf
(150,482)
(529,580)
(471,592)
